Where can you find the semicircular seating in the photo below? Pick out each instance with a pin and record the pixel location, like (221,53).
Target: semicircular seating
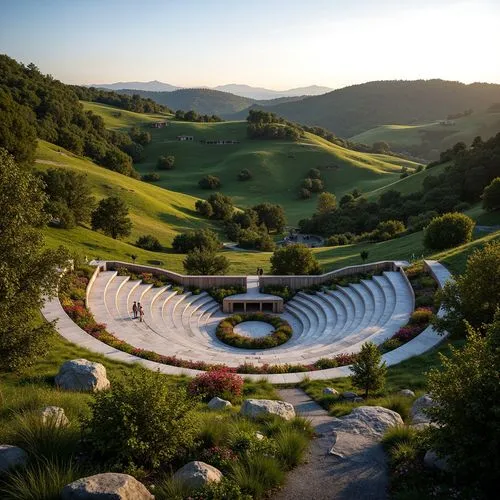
(184,324)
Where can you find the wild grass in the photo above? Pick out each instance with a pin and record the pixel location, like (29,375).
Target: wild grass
(397,435)
(291,447)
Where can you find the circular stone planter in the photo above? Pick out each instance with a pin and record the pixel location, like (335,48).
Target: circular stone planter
(254,331)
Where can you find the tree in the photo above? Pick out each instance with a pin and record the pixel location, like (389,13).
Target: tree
(317,186)
(71,189)
(327,202)
(222,206)
(467,394)
(201,239)
(368,371)
(149,242)
(166,162)
(314,173)
(209,182)
(307,183)
(204,208)
(304,194)
(245,175)
(491,195)
(364,255)
(381,147)
(449,230)
(29,271)
(475,295)
(294,259)
(111,216)
(272,216)
(205,263)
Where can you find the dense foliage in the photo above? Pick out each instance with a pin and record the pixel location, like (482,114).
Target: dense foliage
(368,370)
(467,393)
(267,125)
(33,103)
(475,295)
(201,239)
(142,421)
(203,262)
(28,270)
(111,216)
(149,242)
(209,182)
(449,230)
(166,162)
(294,259)
(221,382)
(491,195)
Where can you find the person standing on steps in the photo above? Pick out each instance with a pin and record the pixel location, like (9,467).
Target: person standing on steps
(134,309)
(141,314)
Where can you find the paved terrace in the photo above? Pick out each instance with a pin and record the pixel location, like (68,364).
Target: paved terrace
(184,325)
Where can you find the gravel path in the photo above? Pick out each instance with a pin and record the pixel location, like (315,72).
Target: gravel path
(360,475)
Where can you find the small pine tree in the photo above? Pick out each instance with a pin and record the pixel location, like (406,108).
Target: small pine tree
(368,371)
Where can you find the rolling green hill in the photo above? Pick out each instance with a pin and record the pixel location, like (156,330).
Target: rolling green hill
(278,166)
(430,138)
(115,118)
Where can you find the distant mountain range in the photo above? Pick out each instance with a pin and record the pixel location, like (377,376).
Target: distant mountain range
(257,93)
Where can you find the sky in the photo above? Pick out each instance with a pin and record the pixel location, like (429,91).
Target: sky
(278,44)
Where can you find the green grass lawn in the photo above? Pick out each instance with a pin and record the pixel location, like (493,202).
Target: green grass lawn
(115,118)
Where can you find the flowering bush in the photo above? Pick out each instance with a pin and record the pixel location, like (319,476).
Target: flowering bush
(220,382)
(219,457)
(422,315)
(408,332)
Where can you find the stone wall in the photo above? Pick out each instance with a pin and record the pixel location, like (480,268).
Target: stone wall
(298,282)
(202,282)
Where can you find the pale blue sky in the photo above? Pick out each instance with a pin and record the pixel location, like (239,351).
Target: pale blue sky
(272,43)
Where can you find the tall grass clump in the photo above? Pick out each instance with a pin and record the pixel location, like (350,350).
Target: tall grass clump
(398,434)
(41,480)
(291,446)
(257,473)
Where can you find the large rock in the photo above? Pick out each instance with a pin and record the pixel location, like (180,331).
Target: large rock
(219,404)
(82,375)
(53,415)
(432,461)
(255,408)
(418,409)
(11,456)
(330,391)
(407,393)
(357,435)
(197,474)
(349,395)
(107,486)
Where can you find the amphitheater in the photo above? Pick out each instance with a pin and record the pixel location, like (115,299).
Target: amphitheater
(326,323)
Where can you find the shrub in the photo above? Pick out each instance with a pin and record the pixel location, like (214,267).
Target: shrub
(424,301)
(449,230)
(204,208)
(151,177)
(325,363)
(291,446)
(205,263)
(149,242)
(218,456)
(221,382)
(294,259)
(219,294)
(421,316)
(166,162)
(142,421)
(201,239)
(491,196)
(245,175)
(209,182)
(304,193)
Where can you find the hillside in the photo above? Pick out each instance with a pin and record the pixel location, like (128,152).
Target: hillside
(278,166)
(260,93)
(429,139)
(355,109)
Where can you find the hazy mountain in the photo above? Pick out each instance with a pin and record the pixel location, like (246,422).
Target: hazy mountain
(154,86)
(352,110)
(260,93)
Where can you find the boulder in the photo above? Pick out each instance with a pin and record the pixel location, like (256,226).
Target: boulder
(197,474)
(349,395)
(418,409)
(82,375)
(219,404)
(357,400)
(107,486)
(406,393)
(259,436)
(255,408)
(11,456)
(329,391)
(432,461)
(53,415)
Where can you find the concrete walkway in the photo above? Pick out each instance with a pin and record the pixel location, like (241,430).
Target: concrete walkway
(358,476)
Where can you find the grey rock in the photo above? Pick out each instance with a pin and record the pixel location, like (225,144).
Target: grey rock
(82,375)
(11,456)
(358,399)
(419,407)
(349,395)
(219,404)
(53,415)
(197,474)
(107,486)
(432,461)
(255,408)
(330,391)
(407,393)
